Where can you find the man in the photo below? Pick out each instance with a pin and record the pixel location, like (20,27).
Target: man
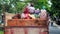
(31,8)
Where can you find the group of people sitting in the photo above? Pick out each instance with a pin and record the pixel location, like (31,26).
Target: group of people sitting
(30,13)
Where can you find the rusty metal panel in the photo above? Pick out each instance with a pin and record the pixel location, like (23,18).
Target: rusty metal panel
(26,22)
(11,23)
(14,31)
(26,31)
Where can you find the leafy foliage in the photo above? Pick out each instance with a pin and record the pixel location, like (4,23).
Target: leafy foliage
(55,9)
(14,6)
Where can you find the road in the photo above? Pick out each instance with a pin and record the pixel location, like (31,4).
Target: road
(54,30)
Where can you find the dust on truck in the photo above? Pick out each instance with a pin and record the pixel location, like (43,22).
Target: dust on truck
(28,26)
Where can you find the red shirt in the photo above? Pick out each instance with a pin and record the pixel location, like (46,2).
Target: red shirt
(26,10)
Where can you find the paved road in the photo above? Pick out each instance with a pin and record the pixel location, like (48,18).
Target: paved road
(54,30)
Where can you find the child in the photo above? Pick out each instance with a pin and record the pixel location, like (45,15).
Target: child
(37,13)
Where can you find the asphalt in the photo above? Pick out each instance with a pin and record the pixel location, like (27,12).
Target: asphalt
(55,29)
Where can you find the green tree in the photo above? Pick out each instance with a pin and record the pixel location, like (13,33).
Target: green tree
(55,9)
(14,6)
(11,6)
(40,3)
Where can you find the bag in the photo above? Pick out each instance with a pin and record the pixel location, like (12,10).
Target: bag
(37,11)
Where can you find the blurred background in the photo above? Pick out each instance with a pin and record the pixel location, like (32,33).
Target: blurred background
(15,6)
